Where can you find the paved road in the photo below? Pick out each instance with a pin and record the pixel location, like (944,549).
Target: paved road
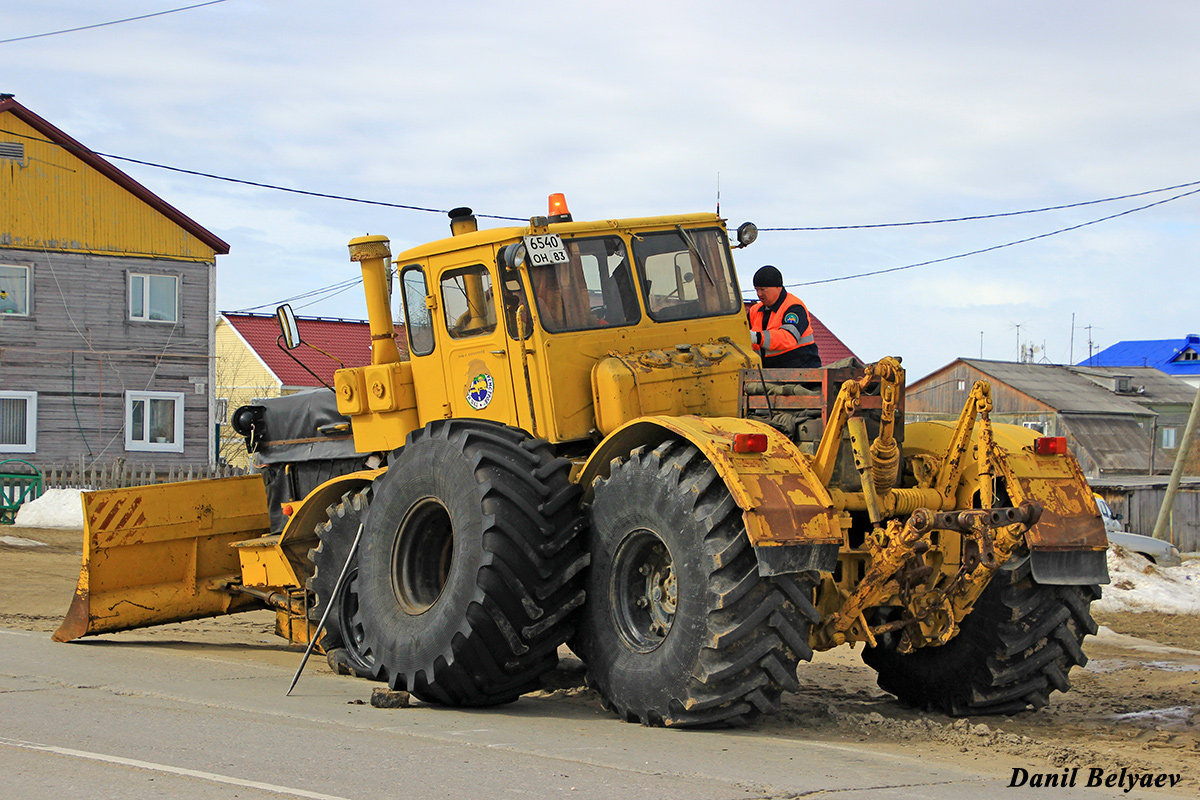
(113,718)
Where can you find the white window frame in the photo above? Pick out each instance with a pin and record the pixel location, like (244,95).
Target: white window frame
(144,445)
(145,317)
(1167,438)
(28,290)
(30,445)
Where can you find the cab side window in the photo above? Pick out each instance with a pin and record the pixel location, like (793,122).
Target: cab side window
(417,317)
(469,302)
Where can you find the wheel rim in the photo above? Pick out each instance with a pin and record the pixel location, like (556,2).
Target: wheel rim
(422,556)
(643,590)
(349,619)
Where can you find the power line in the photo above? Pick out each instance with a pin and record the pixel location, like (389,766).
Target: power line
(255,184)
(996,247)
(330,291)
(105,24)
(331,294)
(987,216)
(297,191)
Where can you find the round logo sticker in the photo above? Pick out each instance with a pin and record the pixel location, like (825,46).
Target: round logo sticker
(791,318)
(479,391)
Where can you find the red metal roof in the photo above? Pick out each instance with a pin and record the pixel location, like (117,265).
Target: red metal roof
(830,347)
(53,134)
(346,339)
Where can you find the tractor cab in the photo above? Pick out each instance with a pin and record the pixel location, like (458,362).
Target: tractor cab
(565,329)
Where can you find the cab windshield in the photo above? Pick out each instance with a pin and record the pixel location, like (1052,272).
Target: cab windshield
(686,274)
(592,289)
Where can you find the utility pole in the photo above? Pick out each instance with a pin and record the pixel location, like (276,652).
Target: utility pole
(1071,357)
(1181,455)
(981,344)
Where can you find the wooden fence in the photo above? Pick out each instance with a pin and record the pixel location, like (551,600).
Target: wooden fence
(121,474)
(1139,509)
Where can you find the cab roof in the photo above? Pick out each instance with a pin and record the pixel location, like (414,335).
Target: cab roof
(497,235)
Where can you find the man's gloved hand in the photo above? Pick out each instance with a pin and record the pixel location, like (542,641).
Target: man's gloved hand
(755,338)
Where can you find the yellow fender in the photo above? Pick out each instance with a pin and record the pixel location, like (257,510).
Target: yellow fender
(291,567)
(788,514)
(1070,523)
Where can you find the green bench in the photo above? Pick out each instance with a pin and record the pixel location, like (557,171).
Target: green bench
(17,487)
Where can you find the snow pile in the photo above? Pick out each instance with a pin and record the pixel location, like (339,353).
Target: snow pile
(56,508)
(20,541)
(1138,585)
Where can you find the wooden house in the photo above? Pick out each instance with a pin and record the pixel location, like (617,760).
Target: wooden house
(107,302)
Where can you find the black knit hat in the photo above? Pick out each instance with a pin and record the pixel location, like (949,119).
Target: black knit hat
(768,276)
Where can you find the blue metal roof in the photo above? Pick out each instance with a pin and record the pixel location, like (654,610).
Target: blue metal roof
(1172,356)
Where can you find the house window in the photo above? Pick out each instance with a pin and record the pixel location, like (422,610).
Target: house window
(154,421)
(962,386)
(1168,438)
(14,290)
(1189,355)
(153,297)
(18,422)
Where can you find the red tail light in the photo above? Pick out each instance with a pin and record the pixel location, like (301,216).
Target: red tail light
(1050,446)
(749,443)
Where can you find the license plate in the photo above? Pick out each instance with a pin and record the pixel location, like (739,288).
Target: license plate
(545,249)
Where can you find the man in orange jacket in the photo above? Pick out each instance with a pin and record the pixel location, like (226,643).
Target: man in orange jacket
(779,325)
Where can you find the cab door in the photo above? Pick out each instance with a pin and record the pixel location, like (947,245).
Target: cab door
(477,372)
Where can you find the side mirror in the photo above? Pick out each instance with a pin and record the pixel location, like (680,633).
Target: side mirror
(287,324)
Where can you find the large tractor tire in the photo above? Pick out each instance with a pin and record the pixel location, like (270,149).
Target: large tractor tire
(342,638)
(471,567)
(1012,651)
(680,629)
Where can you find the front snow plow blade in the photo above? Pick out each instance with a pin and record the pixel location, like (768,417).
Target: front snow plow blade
(159,554)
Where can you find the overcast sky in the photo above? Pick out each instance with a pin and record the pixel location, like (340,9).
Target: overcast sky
(810,113)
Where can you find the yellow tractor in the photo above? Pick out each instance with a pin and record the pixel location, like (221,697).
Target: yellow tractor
(583,448)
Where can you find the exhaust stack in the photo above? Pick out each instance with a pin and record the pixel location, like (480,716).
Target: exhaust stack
(373,253)
(462,220)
